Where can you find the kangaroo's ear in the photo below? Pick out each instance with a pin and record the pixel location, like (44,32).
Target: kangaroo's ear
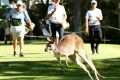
(49,40)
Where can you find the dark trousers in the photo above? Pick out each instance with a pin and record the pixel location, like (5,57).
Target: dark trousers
(7,38)
(57,28)
(95,34)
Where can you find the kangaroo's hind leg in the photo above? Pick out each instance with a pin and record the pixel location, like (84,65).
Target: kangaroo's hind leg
(85,57)
(75,59)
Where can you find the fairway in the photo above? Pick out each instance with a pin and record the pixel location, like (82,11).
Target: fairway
(40,65)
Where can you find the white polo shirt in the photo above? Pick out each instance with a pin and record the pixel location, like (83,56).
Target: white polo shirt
(18,15)
(91,16)
(58,15)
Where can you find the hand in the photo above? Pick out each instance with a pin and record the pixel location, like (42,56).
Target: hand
(63,22)
(97,17)
(32,25)
(55,7)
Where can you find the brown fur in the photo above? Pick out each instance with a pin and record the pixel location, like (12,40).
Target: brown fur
(71,46)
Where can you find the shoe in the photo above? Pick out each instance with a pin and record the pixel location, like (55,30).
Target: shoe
(93,51)
(96,49)
(14,53)
(21,55)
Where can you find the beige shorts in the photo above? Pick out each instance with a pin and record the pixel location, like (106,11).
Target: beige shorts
(18,34)
(17,31)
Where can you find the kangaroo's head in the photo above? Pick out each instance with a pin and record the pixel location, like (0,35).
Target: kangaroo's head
(50,46)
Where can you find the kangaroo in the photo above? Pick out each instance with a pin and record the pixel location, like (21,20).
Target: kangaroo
(72,46)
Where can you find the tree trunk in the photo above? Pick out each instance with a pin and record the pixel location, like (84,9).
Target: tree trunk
(28,5)
(77,16)
(119,15)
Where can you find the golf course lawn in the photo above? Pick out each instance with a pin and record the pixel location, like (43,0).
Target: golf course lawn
(40,65)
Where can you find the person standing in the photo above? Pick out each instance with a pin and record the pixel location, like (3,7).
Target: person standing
(57,16)
(17,17)
(92,19)
(7,34)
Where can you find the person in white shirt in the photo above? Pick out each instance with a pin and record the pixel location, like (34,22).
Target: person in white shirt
(57,16)
(92,19)
(17,17)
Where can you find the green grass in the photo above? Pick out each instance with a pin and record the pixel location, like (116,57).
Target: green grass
(40,65)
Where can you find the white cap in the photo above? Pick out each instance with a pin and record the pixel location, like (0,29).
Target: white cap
(94,1)
(19,3)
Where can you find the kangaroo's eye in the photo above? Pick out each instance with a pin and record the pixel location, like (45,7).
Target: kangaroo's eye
(48,45)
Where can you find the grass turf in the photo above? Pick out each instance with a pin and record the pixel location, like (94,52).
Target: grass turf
(40,65)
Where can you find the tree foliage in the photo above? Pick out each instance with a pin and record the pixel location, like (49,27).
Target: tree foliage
(109,8)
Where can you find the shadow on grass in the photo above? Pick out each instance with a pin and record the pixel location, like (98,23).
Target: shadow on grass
(109,68)
(35,42)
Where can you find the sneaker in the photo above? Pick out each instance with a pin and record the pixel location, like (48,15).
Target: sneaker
(93,51)
(21,55)
(14,54)
(97,51)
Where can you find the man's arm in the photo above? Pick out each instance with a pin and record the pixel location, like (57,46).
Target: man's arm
(100,17)
(64,16)
(86,22)
(51,13)
(28,20)
(30,23)
(86,25)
